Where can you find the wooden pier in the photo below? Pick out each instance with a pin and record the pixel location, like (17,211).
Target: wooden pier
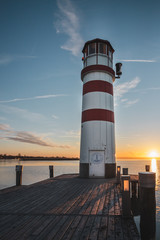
(65,207)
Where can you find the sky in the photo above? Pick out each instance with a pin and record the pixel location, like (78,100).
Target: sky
(41,45)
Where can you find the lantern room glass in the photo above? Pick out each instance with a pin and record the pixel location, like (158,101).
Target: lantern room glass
(92,48)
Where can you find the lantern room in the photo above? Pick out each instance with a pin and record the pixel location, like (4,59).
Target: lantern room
(98,51)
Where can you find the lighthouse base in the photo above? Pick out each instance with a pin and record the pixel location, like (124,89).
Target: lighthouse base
(110,170)
(84,170)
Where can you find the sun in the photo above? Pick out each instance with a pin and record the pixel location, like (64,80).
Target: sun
(153,154)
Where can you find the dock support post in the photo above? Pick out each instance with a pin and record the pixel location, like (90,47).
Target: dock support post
(19,170)
(125,171)
(118,174)
(126,201)
(147,205)
(51,171)
(147,167)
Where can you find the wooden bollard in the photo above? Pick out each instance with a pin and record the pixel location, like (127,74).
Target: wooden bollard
(51,171)
(147,205)
(118,174)
(19,170)
(134,189)
(125,171)
(126,201)
(147,167)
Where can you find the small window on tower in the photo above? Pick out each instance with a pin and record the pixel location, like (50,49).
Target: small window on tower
(102,48)
(86,52)
(110,54)
(92,48)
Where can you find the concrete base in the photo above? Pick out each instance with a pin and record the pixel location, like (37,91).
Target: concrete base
(84,170)
(110,170)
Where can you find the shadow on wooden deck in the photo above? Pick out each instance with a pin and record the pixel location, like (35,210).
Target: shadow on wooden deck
(65,207)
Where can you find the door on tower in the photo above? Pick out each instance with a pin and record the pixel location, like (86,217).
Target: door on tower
(96,164)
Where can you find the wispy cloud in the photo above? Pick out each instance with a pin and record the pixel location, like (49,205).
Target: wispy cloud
(22,113)
(27,137)
(7,58)
(55,117)
(69,24)
(71,134)
(121,89)
(4,127)
(33,98)
(137,60)
(130,103)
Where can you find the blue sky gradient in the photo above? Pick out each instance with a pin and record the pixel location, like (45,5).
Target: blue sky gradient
(40,65)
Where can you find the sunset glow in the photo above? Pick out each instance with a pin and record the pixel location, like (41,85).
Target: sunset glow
(154,165)
(153,154)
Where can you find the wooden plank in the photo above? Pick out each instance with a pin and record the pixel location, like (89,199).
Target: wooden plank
(69,233)
(80,227)
(118,228)
(64,228)
(87,228)
(95,228)
(102,199)
(103,228)
(111,228)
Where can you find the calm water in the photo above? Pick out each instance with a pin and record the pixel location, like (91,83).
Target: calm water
(34,171)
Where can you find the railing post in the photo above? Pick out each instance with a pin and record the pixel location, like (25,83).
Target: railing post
(118,174)
(126,201)
(147,205)
(147,167)
(125,171)
(19,170)
(51,171)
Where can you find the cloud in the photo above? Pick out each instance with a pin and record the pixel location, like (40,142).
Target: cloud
(121,89)
(55,117)
(6,59)
(137,60)
(27,137)
(68,23)
(129,103)
(4,127)
(22,113)
(32,98)
(71,134)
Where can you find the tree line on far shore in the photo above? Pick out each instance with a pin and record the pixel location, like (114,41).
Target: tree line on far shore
(39,158)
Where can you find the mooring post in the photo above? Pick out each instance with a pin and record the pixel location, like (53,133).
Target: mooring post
(125,171)
(118,174)
(19,170)
(147,205)
(147,167)
(134,189)
(126,201)
(51,171)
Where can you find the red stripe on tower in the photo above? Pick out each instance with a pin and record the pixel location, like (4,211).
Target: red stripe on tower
(98,86)
(97,115)
(95,68)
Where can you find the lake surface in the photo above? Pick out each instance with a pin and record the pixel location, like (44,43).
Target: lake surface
(35,171)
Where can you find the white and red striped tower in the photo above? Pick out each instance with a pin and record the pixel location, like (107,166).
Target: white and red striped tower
(97,153)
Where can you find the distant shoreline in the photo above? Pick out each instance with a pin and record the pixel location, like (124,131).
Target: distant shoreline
(10,158)
(40,159)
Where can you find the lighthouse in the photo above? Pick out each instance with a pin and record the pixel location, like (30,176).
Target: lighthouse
(97,150)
